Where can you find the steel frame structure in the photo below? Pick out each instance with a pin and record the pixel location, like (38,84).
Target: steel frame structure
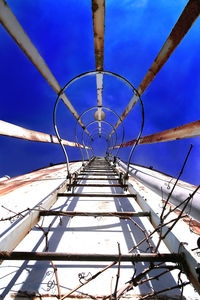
(184,256)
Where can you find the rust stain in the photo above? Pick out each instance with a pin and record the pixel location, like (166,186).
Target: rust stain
(98,15)
(181,132)
(184,23)
(26,294)
(193,224)
(11,130)
(20,181)
(185,131)
(95,6)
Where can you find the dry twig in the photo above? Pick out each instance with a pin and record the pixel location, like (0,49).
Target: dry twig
(118,274)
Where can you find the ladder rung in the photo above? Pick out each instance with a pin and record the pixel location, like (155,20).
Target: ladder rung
(96,178)
(98,185)
(97,168)
(134,257)
(99,174)
(124,214)
(96,172)
(96,195)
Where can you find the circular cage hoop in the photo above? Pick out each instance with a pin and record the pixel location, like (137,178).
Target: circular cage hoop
(104,133)
(105,108)
(93,122)
(95,73)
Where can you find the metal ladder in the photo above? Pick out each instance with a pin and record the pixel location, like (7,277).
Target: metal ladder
(88,191)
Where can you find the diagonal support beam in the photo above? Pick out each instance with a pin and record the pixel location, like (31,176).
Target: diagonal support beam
(188,17)
(11,130)
(181,132)
(98,15)
(13,27)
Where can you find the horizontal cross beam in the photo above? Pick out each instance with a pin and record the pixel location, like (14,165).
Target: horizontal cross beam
(94,214)
(60,256)
(96,195)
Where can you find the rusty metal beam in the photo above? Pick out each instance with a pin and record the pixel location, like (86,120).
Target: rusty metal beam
(181,132)
(126,214)
(188,17)
(98,15)
(13,27)
(56,256)
(98,185)
(98,178)
(96,195)
(11,130)
(98,174)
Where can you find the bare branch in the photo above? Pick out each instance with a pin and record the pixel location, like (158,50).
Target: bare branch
(118,274)
(179,286)
(145,234)
(90,279)
(166,202)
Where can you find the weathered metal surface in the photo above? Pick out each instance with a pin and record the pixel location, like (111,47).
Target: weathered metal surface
(4,178)
(40,188)
(193,224)
(162,185)
(181,132)
(13,184)
(58,233)
(94,214)
(188,17)
(13,27)
(175,240)
(98,15)
(15,235)
(11,130)
(56,256)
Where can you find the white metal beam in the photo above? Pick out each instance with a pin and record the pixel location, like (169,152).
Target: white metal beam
(98,14)
(188,17)
(181,132)
(11,130)
(13,27)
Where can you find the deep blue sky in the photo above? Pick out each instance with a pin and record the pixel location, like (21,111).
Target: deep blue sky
(134,33)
